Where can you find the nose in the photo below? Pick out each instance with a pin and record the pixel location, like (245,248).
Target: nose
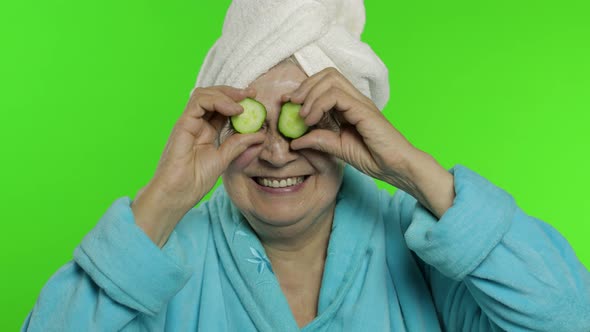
(276,150)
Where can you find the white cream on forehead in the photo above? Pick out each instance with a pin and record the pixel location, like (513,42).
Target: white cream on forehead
(287,84)
(285,75)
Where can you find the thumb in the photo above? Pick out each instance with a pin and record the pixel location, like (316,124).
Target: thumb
(321,140)
(232,147)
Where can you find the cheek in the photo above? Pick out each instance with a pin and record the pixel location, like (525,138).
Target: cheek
(323,162)
(245,158)
(330,168)
(334,176)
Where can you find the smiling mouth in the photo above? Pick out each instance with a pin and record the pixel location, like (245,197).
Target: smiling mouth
(280,182)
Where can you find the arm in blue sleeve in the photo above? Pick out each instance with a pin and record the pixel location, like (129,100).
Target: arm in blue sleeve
(492,267)
(117,274)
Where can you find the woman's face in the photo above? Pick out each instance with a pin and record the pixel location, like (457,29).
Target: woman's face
(282,192)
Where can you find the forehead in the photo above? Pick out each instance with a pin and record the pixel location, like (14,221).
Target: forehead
(283,78)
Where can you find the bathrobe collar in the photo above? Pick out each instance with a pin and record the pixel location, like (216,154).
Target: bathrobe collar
(249,269)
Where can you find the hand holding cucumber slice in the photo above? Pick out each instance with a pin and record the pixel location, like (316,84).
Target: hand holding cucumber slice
(251,120)
(291,125)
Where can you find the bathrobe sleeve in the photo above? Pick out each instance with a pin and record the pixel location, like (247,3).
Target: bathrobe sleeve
(492,267)
(117,274)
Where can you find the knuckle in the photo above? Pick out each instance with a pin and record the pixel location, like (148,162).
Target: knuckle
(328,71)
(326,80)
(334,74)
(220,104)
(335,77)
(183,121)
(228,92)
(335,91)
(332,71)
(223,89)
(197,92)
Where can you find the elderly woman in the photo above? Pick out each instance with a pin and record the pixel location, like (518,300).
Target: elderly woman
(298,234)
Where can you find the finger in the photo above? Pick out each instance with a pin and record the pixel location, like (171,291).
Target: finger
(185,133)
(330,74)
(219,103)
(188,124)
(235,93)
(218,121)
(231,148)
(351,109)
(229,98)
(192,107)
(323,98)
(331,99)
(224,97)
(298,96)
(321,86)
(321,140)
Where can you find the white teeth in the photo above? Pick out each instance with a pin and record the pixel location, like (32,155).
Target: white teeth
(274,183)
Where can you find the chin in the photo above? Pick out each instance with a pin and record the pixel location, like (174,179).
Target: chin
(277,217)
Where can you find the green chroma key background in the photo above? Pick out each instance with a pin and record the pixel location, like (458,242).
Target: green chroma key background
(91,90)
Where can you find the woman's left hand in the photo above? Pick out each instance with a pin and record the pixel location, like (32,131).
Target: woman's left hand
(366,140)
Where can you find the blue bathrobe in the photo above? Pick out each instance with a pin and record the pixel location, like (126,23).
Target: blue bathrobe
(390,266)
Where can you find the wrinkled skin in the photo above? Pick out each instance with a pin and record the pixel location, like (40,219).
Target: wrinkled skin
(288,214)
(197,154)
(360,136)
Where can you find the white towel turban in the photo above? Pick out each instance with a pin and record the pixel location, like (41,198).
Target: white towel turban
(258,34)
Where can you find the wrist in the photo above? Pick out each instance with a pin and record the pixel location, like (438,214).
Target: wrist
(430,183)
(156,214)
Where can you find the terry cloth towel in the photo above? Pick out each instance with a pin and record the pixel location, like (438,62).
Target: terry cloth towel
(258,34)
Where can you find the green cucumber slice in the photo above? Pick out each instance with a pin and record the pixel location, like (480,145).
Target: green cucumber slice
(291,125)
(252,119)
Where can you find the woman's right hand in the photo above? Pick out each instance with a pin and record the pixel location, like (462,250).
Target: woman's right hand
(192,162)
